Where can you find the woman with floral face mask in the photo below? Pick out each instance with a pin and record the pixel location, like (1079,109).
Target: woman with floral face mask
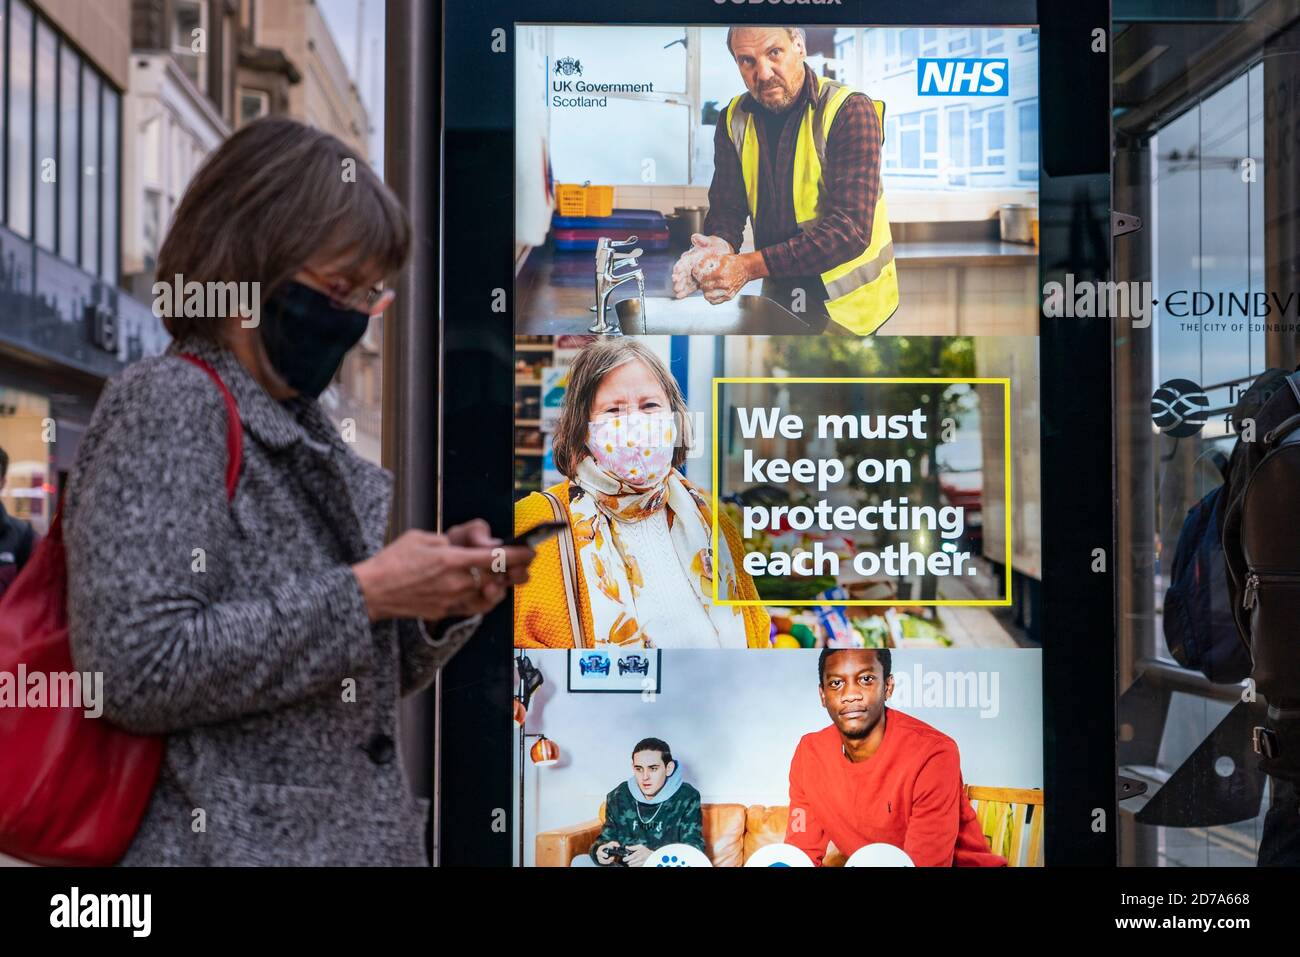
(635,567)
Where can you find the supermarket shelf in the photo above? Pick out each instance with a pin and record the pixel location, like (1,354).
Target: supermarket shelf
(523,451)
(534,347)
(535,380)
(528,423)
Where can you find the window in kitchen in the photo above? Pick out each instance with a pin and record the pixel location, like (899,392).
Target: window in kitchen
(845,44)
(918,135)
(908,41)
(957,145)
(1027,123)
(656,130)
(988,139)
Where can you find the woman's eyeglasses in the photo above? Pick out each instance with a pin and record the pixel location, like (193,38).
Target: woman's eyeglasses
(372,300)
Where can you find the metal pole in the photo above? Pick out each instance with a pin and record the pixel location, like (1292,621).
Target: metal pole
(411,425)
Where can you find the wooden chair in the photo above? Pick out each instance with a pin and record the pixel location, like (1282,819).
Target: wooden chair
(1003,814)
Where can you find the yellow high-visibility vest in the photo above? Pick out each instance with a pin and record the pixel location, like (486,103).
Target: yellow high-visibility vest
(862,292)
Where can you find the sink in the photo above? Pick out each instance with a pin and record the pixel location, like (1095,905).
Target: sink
(746,314)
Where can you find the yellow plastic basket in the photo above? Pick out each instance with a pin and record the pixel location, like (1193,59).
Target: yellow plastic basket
(573,199)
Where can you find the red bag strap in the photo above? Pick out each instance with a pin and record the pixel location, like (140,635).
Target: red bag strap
(234,426)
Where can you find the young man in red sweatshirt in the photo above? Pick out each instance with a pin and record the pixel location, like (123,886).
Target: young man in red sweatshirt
(879,776)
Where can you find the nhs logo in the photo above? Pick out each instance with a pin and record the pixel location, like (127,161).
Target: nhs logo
(948,76)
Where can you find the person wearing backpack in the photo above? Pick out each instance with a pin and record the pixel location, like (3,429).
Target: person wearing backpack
(254,619)
(1261,552)
(17,538)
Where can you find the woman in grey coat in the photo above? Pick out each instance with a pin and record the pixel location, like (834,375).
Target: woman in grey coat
(269,637)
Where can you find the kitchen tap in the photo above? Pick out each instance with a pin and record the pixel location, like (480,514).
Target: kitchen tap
(606,249)
(610,280)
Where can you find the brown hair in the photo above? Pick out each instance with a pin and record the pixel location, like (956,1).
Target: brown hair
(589,369)
(273,197)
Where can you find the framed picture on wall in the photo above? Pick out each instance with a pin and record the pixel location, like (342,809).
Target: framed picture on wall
(614,672)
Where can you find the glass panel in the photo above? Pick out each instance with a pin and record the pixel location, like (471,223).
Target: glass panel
(252,104)
(956,137)
(111,132)
(1027,116)
(907,46)
(1194,158)
(90,173)
(69,132)
(47,119)
(911,142)
(27,490)
(931,125)
(996,125)
(20,119)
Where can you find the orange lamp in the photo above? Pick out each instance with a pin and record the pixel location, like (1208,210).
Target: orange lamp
(544,752)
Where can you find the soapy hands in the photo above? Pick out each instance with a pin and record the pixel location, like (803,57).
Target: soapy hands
(702,259)
(712,266)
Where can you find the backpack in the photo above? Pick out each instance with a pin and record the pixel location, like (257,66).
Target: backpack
(1199,626)
(1261,544)
(73,790)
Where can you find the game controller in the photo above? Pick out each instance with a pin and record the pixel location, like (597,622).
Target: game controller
(618,855)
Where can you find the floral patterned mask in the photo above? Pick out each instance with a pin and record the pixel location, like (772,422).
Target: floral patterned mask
(636,448)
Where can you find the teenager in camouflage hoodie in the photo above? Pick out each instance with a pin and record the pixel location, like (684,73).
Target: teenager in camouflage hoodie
(653,808)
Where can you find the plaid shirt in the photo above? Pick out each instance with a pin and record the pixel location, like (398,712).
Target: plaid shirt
(851,172)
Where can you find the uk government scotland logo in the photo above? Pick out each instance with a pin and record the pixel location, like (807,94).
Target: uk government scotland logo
(568,66)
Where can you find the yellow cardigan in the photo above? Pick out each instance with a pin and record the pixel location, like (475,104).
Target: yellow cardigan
(542,611)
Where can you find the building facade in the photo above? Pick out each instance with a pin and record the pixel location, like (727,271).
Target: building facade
(109,109)
(65,324)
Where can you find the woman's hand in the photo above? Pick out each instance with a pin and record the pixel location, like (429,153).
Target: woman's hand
(424,575)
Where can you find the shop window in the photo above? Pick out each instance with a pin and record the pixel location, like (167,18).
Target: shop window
(189,27)
(47,125)
(69,179)
(90,171)
(19,193)
(253,104)
(110,219)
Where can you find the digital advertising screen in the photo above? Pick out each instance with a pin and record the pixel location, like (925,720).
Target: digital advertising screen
(777,419)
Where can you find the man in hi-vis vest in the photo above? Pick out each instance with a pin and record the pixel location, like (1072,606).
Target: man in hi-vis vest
(799,155)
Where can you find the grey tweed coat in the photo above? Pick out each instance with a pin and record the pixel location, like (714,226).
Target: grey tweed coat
(238,630)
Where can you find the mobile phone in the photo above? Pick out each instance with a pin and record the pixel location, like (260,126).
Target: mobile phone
(538,534)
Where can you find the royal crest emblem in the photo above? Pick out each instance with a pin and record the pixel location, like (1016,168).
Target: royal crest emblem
(568,66)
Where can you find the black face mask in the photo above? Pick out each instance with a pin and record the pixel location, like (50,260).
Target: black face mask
(307,336)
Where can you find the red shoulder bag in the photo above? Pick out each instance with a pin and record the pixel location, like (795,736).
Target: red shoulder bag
(73,789)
